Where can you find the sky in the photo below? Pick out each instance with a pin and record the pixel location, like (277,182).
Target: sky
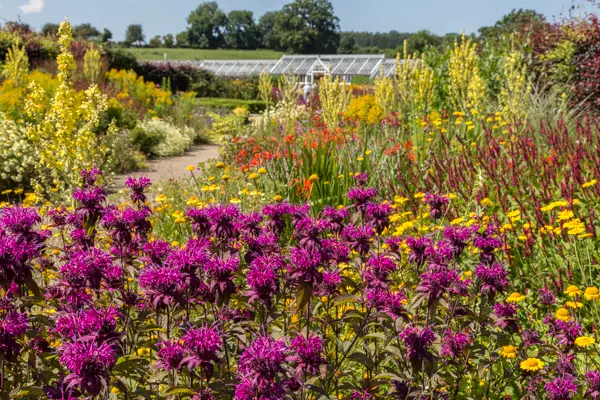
(159,17)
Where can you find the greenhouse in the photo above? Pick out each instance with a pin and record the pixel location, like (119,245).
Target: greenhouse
(308,68)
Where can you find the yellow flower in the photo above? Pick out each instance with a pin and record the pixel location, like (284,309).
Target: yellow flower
(565,215)
(591,293)
(313,177)
(532,364)
(486,202)
(6,191)
(225,178)
(590,183)
(584,341)
(508,352)
(220,164)
(573,291)
(515,298)
(573,304)
(295,319)
(190,168)
(278,198)
(235,200)
(562,314)
(115,390)
(262,171)
(253,176)
(143,352)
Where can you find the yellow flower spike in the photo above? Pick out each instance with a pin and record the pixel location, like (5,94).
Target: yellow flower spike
(562,314)
(584,341)
(532,364)
(313,178)
(573,291)
(190,168)
(515,297)
(591,293)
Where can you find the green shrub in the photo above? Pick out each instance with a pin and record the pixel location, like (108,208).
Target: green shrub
(120,59)
(124,154)
(253,106)
(157,137)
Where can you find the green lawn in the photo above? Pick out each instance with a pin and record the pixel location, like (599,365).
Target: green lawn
(199,54)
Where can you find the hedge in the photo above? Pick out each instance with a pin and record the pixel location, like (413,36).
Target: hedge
(253,106)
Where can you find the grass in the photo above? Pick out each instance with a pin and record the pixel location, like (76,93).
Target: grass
(202,54)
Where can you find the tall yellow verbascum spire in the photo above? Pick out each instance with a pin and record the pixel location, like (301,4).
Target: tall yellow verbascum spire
(414,82)
(64,136)
(516,87)
(467,89)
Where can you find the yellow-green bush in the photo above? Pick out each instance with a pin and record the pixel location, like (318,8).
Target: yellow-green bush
(17,155)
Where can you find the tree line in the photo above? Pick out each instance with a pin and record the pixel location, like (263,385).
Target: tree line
(302,26)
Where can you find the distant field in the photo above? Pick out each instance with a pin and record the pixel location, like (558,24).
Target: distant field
(198,54)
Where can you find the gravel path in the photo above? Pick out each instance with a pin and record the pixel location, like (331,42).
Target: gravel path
(164,169)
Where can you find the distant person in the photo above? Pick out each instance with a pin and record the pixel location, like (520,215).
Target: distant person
(306,89)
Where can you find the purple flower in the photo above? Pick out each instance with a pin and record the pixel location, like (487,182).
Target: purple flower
(221,271)
(531,337)
(492,278)
(547,298)
(364,395)
(506,313)
(12,325)
(86,268)
(222,221)
(307,355)
(359,238)
(263,359)
(440,279)
(593,380)
(417,341)
(163,285)
(276,213)
(137,187)
(331,281)
(203,345)
(487,242)
(89,177)
(458,238)
(157,251)
(335,217)
(252,388)
(455,344)
(360,196)
(19,220)
(88,363)
(379,216)
(200,221)
(418,247)
(91,200)
(98,323)
(361,179)
(304,264)
(561,388)
(263,283)
(378,269)
(437,203)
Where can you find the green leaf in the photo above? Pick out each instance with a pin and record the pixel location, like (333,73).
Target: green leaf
(303,295)
(181,390)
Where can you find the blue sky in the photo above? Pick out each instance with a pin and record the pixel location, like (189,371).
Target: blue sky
(159,17)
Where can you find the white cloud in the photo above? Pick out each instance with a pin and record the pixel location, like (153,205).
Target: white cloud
(32,6)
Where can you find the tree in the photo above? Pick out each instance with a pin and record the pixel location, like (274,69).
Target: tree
(85,31)
(134,35)
(207,25)
(419,41)
(517,21)
(155,42)
(266,27)
(241,30)
(169,41)
(347,45)
(50,29)
(309,27)
(182,39)
(106,36)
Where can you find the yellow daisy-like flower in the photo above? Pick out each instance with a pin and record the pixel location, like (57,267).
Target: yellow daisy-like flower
(253,175)
(532,364)
(573,304)
(562,314)
(515,297)
(591,293)
(313,177)
(143,352)
(190,168)
(262,171)
(220,164)
(508,351)
(584,341)
(590,183)
(278,198)
(573,291)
